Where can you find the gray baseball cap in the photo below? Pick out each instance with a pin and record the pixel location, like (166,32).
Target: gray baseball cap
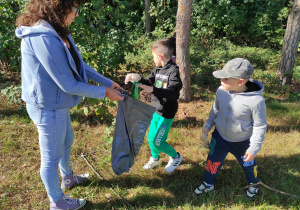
(238,68)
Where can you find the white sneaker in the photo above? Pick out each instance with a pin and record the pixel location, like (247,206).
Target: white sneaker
(173,163)
(152,163)
(252,191)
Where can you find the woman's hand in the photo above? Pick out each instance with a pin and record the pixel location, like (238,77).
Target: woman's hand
(116,85)
(113,94)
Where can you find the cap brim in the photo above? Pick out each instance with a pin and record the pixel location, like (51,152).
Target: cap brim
(220,74)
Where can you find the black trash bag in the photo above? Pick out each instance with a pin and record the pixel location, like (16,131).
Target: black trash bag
(132,122)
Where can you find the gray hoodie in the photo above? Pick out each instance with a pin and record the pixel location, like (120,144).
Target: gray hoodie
(240,116)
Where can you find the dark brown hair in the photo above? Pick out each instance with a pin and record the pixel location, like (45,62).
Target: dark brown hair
(163,46)
(52,11)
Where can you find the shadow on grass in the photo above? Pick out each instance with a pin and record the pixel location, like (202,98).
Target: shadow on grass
(21,112)
(286,116)
(8,112)
(170,191)
(92,120)
(187,123)
(284,128)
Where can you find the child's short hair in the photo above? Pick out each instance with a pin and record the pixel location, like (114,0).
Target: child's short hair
(163,46)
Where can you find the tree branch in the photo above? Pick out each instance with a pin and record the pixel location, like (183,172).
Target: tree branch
(270,188)
(120,197)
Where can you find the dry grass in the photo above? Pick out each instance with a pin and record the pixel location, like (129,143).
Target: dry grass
(279,165)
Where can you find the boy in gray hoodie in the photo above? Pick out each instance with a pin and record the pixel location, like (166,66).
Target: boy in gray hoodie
(239,116)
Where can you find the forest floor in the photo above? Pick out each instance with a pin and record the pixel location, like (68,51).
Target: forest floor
(278,164)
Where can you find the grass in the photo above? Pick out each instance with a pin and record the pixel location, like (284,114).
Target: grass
(278,161)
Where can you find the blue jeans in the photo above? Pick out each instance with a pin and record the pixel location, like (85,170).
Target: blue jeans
(55,140)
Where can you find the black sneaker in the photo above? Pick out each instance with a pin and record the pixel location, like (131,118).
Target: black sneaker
(252,191)
(203,188)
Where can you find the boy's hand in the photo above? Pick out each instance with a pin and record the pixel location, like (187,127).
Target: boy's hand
(146,88)
(113,94)
(205,131)
(248,157)
(133,77)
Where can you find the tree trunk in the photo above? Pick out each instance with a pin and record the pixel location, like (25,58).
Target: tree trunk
(183,32)
(290,45)
(147,17)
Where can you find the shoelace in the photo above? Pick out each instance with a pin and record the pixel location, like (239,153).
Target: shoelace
(252,190)
(176,161)
(70,200)
(76,178)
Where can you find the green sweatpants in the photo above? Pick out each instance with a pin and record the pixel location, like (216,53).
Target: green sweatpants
(158,134)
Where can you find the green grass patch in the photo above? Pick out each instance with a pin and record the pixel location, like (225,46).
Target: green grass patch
(278,161)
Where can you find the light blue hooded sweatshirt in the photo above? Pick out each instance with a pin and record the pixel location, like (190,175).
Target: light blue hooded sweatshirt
(240,116)
(50,79)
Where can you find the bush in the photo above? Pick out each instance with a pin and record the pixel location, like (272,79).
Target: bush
(9,43)
(246,22)
(203,64)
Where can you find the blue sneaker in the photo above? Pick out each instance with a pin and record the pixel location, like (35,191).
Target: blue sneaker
(69,181)
(66,202)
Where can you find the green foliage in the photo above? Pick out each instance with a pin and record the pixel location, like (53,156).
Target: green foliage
(203,64)
(109,132)
(296,75)
(93,106)
(102,43)
(110,37)
(9,44)
(264,61)
(12,93)
(141,59)
(251,22)
(163,12)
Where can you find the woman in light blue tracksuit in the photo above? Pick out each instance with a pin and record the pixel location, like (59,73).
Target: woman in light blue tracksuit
(55,78)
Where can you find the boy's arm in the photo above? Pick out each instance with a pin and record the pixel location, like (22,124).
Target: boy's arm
(213,113)
(149,80)
(259,127)
(174,86)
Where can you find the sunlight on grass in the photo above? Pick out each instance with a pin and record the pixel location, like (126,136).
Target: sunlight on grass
(278,166)
(283,115)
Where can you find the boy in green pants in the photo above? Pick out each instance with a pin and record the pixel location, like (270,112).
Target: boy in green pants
(164,84)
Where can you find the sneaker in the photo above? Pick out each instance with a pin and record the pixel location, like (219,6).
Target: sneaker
(203,188)
(72,179)
(252,191)
(173,163)
(66,202)
(152,163)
